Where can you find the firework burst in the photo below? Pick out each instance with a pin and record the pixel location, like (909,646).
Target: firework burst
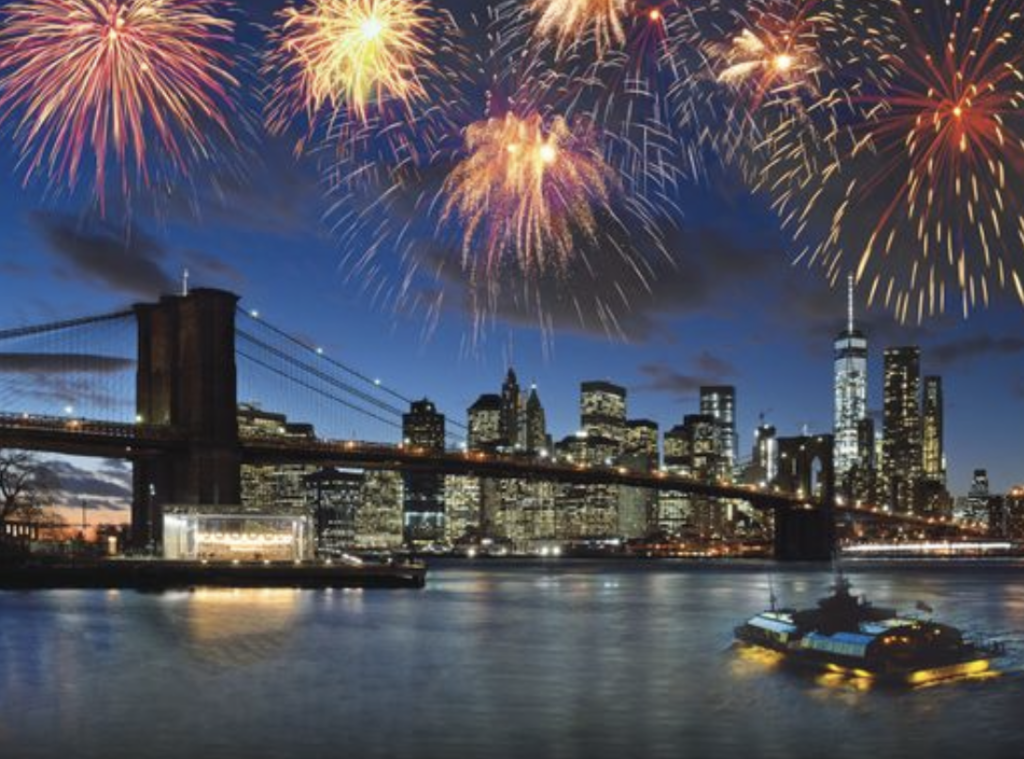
(102,83)
(352,56)
(767,69)
(525,190)
(936,166)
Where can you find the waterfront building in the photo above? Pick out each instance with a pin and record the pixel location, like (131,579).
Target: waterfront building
(463,504)
(485,427)
(586,512)
(379,518)
(933,463)
(336,497)
(901,426)
(975,506)
(693,449)
(423,429)
(638,507)
(525,513)
(273,488)
(861,481)
(673,506)
(220,534)
(850,392)
(603,411)
(931,496)
(719,403)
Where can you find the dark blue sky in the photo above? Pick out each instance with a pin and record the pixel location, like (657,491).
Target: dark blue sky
(732,310)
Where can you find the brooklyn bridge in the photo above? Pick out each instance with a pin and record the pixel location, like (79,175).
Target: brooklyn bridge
(191,354)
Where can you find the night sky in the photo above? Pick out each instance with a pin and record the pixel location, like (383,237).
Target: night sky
(732,310)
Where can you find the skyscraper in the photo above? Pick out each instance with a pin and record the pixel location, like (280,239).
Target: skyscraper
(719,403)
(485,423)
(934,458)
(423,426)
(535,433)
(511,408)
(766,454)
(641,449)
(423,506)
(901,426)
(851,390)
(603,411)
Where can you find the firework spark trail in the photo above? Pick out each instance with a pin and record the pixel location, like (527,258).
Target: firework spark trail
(936,166)
(526,190)
(102,82)
(767,69)
(567,22)
(619,82)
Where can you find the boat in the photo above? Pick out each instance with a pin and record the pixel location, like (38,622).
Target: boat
(849,636)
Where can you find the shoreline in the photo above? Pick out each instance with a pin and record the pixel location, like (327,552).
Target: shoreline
(149,574)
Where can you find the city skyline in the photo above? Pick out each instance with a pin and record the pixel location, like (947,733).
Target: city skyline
(729,309)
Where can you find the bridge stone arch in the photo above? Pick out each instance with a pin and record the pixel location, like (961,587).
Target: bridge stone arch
(806,465)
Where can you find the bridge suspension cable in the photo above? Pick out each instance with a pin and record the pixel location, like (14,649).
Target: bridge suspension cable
(319,391)
(73,368)
(85,321)
(366,393)
(319,374)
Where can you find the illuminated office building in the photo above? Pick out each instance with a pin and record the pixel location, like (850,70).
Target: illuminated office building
(603,411)
(851,391)
(901,426)
(719,403)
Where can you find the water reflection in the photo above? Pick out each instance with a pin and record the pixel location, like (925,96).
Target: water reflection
(580,659)
(233,627)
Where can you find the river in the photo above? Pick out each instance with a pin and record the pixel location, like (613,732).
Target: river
(493,659)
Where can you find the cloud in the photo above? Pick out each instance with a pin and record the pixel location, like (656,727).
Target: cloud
(47,363)
(625,288)
(47,383)
(709,370)
(210,268)
(714,366)
(125,261)
(273,193)
(971,348)
(13,269)
(76,485)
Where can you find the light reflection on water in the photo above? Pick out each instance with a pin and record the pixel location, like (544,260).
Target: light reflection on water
(491,659)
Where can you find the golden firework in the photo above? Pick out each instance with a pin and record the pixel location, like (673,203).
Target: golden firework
(526,189)
(352,54)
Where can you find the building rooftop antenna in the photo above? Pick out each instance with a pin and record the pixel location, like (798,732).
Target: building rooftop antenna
(849,304)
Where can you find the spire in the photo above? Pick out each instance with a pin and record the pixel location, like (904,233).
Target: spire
(849,304)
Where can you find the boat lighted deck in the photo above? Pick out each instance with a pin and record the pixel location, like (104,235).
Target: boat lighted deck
(845,635)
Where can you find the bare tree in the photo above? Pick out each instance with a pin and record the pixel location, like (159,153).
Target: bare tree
(24,484)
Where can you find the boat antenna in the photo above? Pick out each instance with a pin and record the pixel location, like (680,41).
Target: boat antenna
(841,583)
(771,592)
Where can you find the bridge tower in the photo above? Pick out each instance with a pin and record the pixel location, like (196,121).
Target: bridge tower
(186,379)
(806,464)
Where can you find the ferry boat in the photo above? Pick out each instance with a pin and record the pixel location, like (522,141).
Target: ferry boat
(846,634)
